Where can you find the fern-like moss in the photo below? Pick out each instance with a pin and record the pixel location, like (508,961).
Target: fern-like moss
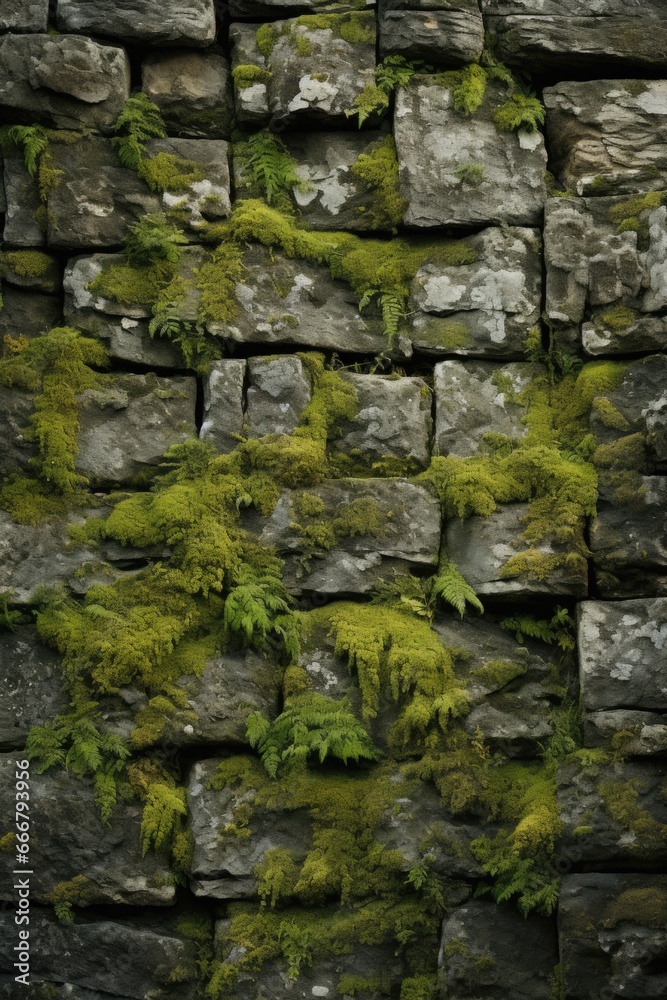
(138,122)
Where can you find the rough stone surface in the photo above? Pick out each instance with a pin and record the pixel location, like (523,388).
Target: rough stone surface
(436,144)
(63,81)
(31,684)
(16,407)
(485,308)
(18,268)
(278,393)
(28,313)
(393,419)
(482,546)
(643,733)
(409,539)
(269,8)
(605,282)
(629,541)
(492,952)
(32,555)
(474,398)
(607,136)
(448,37)
(193,91)
(205,200)
(24,15)
(69,840)
(172,22)
(22,228)
(612,935)
(127,426)
(321,82)
(223,404)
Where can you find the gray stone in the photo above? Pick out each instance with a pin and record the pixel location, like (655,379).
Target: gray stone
(32,685)
(285,301)
(475,398)
(16,408)
(605,284)
(121,956)
(269,8)
(643,733)
(311,72)
(621,654)
(223,404)
(485,308)
(69,839)
(491,952)
(24,15)
(207,199)
(32,270)
(406,535)
(193,91)
(614,815)
(333,195)
(42,990)
(62,80)
(634,38)
(172,22)
(279,391)
(447,37)
(630,421)
(393,419)
(441,153)
(511,688)
(607,136)
(129,423)
(482,546)
(28,313)
(629,541)
(22,228)
(611,929)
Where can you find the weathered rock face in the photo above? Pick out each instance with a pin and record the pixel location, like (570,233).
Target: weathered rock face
(451,37)
(612,934)
(170,23)
(193,91)
(23,226)
(223,404)
(604,273)
(278,392)
(17,15)
(628,543)
(299,68)
(62,80)
(485,308)
(591,154)
(28,313)
(35,555)
(32,687)
(16,450)
(458,171)
(630,422)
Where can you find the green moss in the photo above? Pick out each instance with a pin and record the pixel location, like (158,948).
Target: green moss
(499,673)
(30,264)
(353,986)
(621,802)
(378,170)
(632,215)
(470,174)
(217,280)
(609,415)
(648,905)
(303,46)
(247,74)
(356,28)
(619,318)
(131,284)
(48,176)
(469,89)
(267,37)
(167,172)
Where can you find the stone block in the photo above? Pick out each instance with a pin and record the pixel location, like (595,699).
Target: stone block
(462,171)
(442,37)
(171,22)
(16,409)
(24,15)
(24,226)
(33,691)
(279,391)
(193,91)
(223,404)
(28,313)
(32,270)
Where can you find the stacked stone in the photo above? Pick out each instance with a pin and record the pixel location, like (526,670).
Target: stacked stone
(580,251)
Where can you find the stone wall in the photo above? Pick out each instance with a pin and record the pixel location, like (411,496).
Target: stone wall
(333,441)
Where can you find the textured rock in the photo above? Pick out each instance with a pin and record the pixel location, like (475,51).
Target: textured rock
(482,546)
(35,271)
(607,136)
(438,145)
(603,278)
(629,541)
(333,195)
(28,313)
(643,733)
(31,555)
(447,37)
(62,80)
(193,91)
(570,42)
(172,22)
(121,956)
(485,308)
(269,8)
(474,398)
(314,72)
(407,535)
(127,426)
(612,935)
(283,301)
(622,652)
(206,199)
(69,840)
(223,404)
(614,815)
(278,392)
(16,408)
(492,952)
(23,225)
(630,422)
(31,683)
(393,419)
(24,15)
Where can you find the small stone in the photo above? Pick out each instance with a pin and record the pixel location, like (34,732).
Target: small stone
(223,404)
(278,393)
(193,91)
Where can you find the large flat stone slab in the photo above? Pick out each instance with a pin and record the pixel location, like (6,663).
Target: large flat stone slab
(172,22)
(437,147)
(443,37)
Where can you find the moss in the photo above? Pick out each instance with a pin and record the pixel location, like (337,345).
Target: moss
(632,215)
(303,46)
(621,802)
(378,170)
(609,415)
(7,843)
(471,174)
(267,37)
(353,986)
(469,89)
(167,172)
(247,75)
(619,318)
(131,284)
(356,28)
(647,906)
(30,264)
(48,176)
(499,673)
